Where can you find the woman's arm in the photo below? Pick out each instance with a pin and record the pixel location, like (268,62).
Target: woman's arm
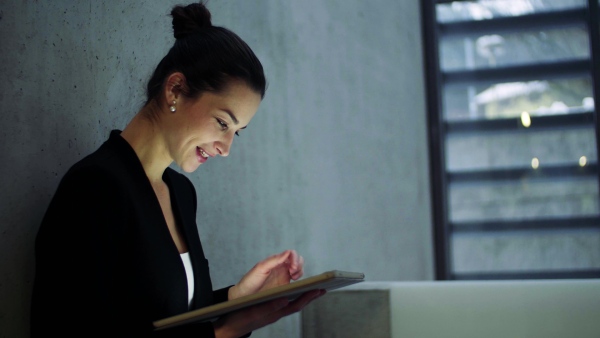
(78,247)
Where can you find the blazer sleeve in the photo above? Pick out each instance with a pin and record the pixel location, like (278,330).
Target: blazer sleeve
(77,250)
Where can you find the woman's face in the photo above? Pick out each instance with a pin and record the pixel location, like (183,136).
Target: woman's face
(204,127)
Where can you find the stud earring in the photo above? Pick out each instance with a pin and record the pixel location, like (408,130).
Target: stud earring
(172,108)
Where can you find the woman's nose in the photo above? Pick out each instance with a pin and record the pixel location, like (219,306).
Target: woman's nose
(224,147)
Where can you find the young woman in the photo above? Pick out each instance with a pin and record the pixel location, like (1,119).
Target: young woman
(118,247)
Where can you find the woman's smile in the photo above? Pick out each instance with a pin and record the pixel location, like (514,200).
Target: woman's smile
(202,155)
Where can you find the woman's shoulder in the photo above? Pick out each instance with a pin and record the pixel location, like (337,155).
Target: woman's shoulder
(99,175)
(111,162)
(96,166)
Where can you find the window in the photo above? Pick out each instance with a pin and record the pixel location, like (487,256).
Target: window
(512,86)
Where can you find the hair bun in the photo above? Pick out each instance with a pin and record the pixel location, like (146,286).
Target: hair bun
(189,19)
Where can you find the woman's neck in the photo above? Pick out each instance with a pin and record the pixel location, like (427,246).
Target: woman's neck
(144,135)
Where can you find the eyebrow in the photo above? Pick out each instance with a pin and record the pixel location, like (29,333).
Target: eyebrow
(235,120)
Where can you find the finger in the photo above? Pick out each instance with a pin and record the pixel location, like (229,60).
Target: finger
(271,307)
(300,302)
(260,315)
(293,259)
(272,311)
(271,262)
(295,262)
(277,304)
(299,271)
(294,306)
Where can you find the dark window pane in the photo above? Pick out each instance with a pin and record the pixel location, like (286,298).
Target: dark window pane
(507,49)
(500,150)
(490,9)
(523,199)
(503,100)
(526,251)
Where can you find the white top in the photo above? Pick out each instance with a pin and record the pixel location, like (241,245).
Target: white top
(189,271)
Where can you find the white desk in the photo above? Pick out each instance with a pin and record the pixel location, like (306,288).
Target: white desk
(493,309)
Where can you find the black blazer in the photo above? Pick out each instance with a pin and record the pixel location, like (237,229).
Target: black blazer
(106,264)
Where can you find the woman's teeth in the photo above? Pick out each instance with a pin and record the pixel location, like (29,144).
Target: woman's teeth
(203,153)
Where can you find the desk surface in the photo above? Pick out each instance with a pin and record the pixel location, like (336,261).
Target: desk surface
(495,309)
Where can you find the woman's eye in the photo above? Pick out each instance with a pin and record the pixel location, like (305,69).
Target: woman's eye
(225,126)
(222,124)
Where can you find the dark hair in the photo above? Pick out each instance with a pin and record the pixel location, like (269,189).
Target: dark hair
(208,56)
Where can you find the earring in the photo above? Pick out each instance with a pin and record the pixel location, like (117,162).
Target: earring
(172,108)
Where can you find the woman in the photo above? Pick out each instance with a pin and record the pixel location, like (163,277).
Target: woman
(118,247)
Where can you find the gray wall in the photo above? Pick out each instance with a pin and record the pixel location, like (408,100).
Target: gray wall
(334,164)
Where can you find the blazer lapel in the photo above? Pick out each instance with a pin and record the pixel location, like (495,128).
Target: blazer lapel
(183,202)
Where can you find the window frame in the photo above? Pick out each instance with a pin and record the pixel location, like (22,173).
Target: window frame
(438,127)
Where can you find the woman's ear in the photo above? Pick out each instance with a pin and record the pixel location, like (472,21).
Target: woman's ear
(174,86)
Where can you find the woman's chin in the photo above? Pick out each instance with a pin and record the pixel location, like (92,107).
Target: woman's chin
(190,167)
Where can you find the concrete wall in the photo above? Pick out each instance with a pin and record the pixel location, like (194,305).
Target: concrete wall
(334,164)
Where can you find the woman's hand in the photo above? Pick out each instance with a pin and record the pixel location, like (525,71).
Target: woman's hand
(273,271)
(241,322)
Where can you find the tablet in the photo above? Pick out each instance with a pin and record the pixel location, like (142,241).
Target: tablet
(329,280)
